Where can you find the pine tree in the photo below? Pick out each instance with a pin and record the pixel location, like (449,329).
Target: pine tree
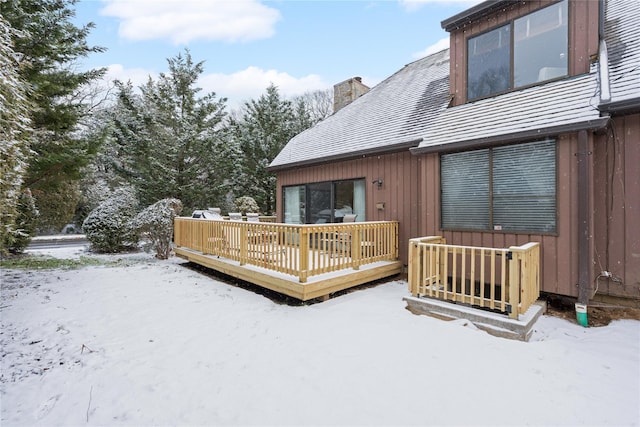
(50,44)
(265,126)
(167,141)
(15,132)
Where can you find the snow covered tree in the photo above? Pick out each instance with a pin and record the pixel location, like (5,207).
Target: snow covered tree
(25,224)
(94,189)
(265,126)
(246,204)
(155,223)
(108,227)
(48,44)
(15,132)
(168,141)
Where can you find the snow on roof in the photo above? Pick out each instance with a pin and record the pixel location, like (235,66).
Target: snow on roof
(536,111)
(396,111)
(623,43)
(410,107)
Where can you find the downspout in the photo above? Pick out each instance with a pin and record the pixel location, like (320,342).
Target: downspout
(584,219)
(584,181)
(603,60)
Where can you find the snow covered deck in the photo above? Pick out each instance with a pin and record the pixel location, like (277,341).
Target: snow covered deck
(302,261)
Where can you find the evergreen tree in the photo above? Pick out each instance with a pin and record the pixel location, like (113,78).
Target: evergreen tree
(167,141)
(14,136)
(25,224)
(49,45)
(265,126)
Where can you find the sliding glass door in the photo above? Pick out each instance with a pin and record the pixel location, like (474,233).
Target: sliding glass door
(319,203)
(324,202)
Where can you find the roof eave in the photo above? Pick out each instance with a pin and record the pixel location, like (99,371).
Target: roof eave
(627,106)
(387,149)
(593,124)
(473,13)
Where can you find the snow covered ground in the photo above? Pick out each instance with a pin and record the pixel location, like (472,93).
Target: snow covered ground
(148,342)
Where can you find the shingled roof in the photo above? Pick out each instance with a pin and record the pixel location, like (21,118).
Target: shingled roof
(409,110)
(392,116)
(622,33)
(536,112)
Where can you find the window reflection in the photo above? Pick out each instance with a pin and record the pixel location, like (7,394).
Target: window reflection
(540,45)
(488,63)
(324,202)
(540,52)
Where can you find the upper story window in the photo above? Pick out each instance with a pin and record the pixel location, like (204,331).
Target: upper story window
(525,51)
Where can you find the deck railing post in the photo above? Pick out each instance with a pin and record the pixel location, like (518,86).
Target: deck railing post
(514,282)
(203,236)
(304,255)
(244,245)
(414,266)
(356,247)
(528,271)
(176,231)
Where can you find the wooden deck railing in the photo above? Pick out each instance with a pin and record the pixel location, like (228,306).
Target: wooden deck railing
(507,280)
(299,250)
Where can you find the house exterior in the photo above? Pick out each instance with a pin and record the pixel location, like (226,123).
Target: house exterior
(526,130)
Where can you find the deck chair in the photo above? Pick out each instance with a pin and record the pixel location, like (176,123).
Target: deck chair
(341,240)
(254,237)
(235,216)
(350,218)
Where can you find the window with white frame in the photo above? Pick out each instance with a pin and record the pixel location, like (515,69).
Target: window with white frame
(527,50)
(510,188)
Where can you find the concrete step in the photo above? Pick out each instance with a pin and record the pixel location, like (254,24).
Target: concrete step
(494,323)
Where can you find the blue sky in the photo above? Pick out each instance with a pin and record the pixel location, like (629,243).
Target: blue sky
(297,45)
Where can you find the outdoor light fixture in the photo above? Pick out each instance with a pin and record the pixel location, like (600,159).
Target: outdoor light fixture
(377,181)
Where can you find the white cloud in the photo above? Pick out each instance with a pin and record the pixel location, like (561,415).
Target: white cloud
(237,87)
(252,82)
(413,5)
(436,47)
(138,76)
(182,21)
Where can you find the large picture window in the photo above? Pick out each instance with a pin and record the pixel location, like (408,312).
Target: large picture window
(510,188)
(324,202)
(530,49)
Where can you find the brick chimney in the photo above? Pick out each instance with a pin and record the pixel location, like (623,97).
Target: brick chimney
(346,92)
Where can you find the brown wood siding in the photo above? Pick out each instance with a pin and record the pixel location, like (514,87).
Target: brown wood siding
(583,35)
(399,192)
(411,193)
(559,252)
(583,39)
(617,207)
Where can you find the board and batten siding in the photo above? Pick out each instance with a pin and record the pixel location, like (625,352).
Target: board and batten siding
(400,173)
(616,169)
(583,38)
(411,194)
(559,252)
